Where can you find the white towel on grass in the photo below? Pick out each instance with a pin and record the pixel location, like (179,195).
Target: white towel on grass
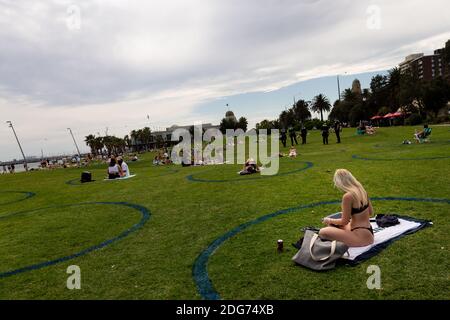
(382,235)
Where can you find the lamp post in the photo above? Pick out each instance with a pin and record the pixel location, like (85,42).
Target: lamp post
(18,142)
(78,150)
(339,86)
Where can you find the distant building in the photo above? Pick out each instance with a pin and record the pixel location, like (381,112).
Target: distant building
(406,64)
(229,115)
(426,67)
(356,87)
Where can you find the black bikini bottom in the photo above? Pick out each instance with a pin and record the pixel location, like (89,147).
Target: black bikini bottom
(370,229)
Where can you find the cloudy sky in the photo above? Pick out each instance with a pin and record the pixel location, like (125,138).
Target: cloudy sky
(97,64)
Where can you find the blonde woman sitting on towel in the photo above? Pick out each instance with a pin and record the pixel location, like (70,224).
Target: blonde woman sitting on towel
(353,228)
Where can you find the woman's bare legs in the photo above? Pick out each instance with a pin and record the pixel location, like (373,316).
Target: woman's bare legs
(357,238)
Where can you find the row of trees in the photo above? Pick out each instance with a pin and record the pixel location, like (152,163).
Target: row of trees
(138,139)
(392,92)
(230,122)
(299,114)
(107,145)
(387,93)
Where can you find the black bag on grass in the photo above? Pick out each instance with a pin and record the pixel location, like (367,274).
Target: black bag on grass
(86,176)
(385,221)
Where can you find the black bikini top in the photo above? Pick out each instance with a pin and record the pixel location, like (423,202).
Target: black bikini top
(359,210)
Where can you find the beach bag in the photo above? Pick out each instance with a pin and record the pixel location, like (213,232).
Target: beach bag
(86,176)
(318,254)
(386,221)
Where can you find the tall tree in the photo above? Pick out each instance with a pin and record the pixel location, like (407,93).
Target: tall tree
(320,104)
(242,123)
(227,123)
(394,79)
(90,139)
(98,145)
(301,111)
(265,124)
(287,118)
(146,135)
(435,95)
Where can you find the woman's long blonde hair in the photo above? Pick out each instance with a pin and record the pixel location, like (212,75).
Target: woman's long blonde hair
(345,181)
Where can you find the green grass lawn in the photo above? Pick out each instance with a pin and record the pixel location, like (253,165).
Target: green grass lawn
(156,261)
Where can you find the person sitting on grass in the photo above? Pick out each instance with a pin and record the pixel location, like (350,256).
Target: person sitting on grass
(250,167)
(123,165)
(418,135)
(361,128)
(353,228)
(114,170)
(292,152)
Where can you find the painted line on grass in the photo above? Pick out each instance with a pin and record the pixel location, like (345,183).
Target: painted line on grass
(401,145)
(355,156)
(27,195)
(145,215)
(192,177)
(200,268)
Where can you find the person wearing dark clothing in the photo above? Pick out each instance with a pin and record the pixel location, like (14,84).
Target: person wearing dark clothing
(293,136)
(283,137)
(325,134)
(337,131)
(304,133)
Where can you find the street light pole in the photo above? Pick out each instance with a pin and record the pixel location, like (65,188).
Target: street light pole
(18,142)
(79,154)
(339,87)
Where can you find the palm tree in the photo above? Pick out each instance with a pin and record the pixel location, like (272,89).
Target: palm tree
(285,118)
(320,104)
(90,143)
(349,96)
(301,110)
(146,134)
(133,140)
(98,145)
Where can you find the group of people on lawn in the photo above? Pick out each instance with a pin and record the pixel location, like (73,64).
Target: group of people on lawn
(325,131)
(162,158)
(352,228)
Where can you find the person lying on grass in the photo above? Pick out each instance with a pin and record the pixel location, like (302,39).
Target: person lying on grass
(370,130)
(114,170)
(293,152)
(353,228)
(250,167)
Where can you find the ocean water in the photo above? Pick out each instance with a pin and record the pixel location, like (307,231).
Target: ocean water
(20,168)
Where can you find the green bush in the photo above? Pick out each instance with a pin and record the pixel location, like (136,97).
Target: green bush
(414,119)
(442,118)
(314,123)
